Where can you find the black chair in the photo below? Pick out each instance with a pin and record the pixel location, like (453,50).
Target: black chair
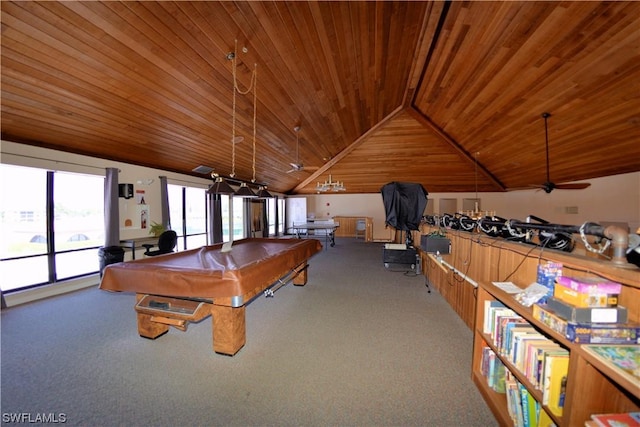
(166,242)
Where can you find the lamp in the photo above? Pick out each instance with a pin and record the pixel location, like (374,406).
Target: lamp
(244,191)
(336,186)
(263,193)
(219,186)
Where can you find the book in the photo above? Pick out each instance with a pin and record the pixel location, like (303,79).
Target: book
(489,308)
(623,359)
(514,406)
(544,419)
(617,420)
(555,380)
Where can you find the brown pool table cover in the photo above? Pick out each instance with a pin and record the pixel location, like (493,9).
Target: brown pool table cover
(207,272)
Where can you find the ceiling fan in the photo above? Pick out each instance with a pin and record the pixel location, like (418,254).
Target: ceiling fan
(549,186)
(297,166)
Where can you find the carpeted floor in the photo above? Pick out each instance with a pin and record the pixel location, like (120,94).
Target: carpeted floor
(359,345)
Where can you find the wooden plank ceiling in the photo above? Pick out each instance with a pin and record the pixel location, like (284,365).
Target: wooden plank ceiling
(382,91)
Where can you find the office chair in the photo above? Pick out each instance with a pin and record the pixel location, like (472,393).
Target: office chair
(166,242)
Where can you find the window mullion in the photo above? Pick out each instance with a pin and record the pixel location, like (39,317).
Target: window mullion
(51,242)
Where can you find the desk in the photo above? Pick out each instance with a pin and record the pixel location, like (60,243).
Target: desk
(188,286)
(137,243)
(329,228)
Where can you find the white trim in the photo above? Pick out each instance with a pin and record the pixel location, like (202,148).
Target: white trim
(22,297)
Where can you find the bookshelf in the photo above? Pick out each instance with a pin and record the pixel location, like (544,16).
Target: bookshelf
(591,387)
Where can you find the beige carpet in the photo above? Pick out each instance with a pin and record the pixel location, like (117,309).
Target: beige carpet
(359,345)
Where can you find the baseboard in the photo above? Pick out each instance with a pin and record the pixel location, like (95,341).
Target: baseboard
(29,295)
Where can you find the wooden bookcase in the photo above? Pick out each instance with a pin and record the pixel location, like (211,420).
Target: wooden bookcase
(591,387)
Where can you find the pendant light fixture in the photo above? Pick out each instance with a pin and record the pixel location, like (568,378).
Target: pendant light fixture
(335,186)
(220,186)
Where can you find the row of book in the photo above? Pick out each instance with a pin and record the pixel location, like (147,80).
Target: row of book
(543,362)
(524,409)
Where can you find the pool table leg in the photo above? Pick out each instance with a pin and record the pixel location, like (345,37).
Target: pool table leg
(149,329)
(301,278)
(229,329)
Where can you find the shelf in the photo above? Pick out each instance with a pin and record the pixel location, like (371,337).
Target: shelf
(592,386)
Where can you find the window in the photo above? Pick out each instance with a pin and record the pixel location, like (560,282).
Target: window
(271,215)
(52,225)
(23,216)
(188,213)
(281,215)
(235,205)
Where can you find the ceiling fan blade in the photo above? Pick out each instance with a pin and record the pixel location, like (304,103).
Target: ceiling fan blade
(528,187)
(573,186)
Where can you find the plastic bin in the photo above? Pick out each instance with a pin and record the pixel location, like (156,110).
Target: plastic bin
(110,255)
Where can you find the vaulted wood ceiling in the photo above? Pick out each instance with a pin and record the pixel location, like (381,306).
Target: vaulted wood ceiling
(382,91)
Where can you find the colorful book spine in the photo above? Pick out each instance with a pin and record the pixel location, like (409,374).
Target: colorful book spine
(555,380)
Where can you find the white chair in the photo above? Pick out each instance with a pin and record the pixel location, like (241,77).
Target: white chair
(361,227)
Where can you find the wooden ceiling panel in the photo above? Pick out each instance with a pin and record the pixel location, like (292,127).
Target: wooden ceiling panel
(383,91)
(500,65)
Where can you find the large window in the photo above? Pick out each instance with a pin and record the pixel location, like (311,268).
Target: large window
(188,213)
(275,205)
(51,225)
(235,205)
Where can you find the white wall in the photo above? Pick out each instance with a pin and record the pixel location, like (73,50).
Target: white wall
(611,199)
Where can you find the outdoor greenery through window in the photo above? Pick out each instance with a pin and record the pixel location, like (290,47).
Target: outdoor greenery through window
(38,247)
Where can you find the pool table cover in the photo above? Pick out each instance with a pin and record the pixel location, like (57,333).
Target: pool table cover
(208,273)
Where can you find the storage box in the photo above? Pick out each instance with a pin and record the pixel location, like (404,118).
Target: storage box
(408,255)
(590,285)
(435,244)
(583,299)
(546,276)
(588,333)
(587,314)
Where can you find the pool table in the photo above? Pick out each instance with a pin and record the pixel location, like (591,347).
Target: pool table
(188,286)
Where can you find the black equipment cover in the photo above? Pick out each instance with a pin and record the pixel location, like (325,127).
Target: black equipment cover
(404,204)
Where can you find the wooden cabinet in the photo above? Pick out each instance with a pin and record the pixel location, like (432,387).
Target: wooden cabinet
(464,279)
(348,226)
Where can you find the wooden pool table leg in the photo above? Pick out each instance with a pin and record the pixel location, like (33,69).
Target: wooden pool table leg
(301,278)
(229,329)
(149,329)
